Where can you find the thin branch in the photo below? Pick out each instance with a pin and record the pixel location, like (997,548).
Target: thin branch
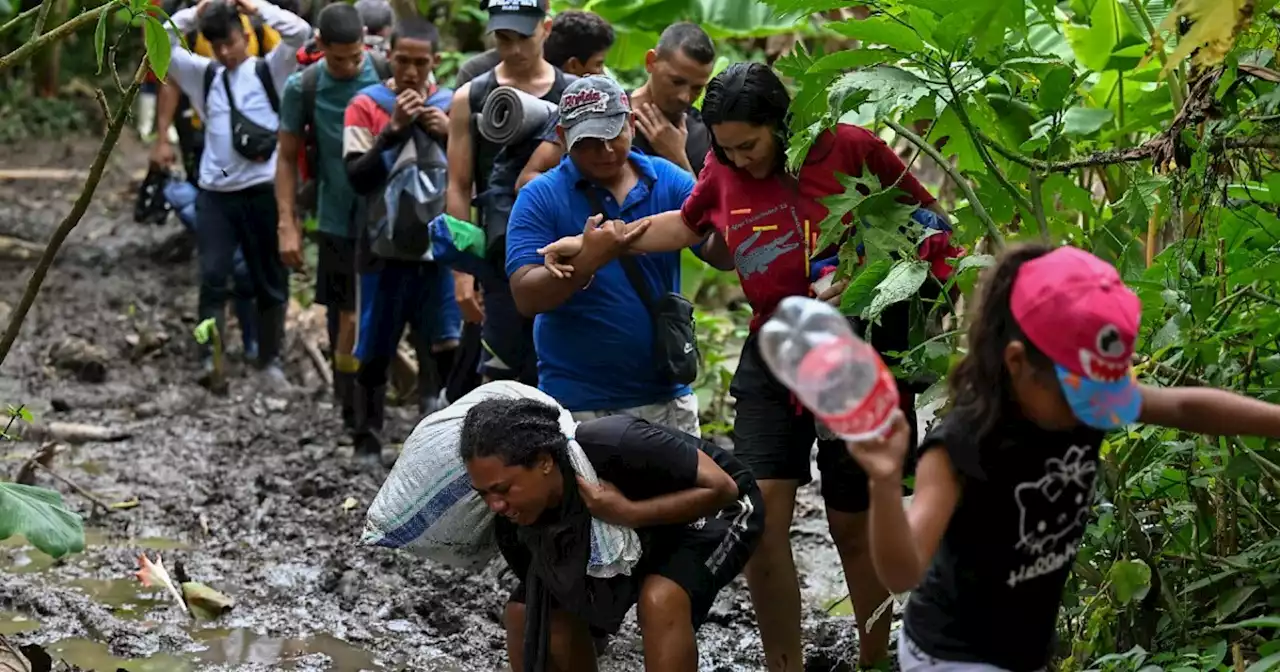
(42,18)
(1115,156)
(75,486)
(979,210)
(1107,158)
(102,103)
(1177,90)
(13,23)
(77,211)
(957,104)
(21,54)
(1037,205)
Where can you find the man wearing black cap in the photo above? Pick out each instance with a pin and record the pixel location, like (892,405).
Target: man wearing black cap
(519,28)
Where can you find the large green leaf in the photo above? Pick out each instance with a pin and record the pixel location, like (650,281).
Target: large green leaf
(854,58)
(1084,120)
(1111,41)
(157,43)
(1130,580)
(985,22)
(858,295)
(885,87)
(880,30)
(38,515)
(720,18)
(902,282)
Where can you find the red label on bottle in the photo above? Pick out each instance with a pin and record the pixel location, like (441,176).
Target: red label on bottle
(873,412)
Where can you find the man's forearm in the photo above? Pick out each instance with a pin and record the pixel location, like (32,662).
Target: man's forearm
(537,291)
(457,204)
(286,190)
(166,107)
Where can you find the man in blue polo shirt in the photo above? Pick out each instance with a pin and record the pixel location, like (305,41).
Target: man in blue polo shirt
(594,337)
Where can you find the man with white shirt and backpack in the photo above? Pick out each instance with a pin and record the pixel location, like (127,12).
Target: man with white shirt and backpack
(238,96)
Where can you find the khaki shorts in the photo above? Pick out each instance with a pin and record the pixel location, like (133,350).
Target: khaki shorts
(680,414)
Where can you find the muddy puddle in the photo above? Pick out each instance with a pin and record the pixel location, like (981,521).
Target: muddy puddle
(247,491)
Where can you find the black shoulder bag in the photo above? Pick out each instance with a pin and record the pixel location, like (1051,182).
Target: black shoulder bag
(675,339)
(250,140)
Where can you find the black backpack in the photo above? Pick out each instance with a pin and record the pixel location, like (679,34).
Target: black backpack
(498,167)
(308,190)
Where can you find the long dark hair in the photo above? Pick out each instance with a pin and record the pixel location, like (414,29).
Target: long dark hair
(516,431)
(980,386)
(750,93)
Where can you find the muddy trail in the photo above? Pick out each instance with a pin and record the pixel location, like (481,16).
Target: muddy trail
(256,495)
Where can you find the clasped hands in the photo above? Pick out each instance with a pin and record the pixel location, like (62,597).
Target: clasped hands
(601,239)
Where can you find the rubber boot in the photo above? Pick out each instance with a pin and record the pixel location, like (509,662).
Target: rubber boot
(271,344)
(344,397)
(428,384)
(370,415)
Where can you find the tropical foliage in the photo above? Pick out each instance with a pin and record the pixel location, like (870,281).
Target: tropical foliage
(1145,131)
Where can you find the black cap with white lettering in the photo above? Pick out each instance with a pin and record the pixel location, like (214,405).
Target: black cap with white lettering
(521,16)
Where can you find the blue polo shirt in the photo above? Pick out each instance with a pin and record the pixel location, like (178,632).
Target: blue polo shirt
(595,351)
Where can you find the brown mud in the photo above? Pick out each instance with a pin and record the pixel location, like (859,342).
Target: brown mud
(247,490)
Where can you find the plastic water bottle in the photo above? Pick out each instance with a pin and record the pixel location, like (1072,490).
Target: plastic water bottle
(810,347)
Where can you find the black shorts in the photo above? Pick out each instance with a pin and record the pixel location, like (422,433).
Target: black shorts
(336,272)
(701,559)
(773,435)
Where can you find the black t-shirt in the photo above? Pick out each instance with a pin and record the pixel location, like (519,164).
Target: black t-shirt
(994,588)
(475,66)
(646,460)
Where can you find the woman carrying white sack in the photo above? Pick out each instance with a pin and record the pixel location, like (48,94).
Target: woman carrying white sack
(696,510)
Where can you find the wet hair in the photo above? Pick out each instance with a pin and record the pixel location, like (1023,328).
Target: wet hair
(219,20)
(979,385)
(516,431)
(376,15)
(415,28)
(688,38)
(576,34)
(339,23)
(750,93)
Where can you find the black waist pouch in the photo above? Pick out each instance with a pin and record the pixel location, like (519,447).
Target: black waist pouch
(675,339)
(250,140)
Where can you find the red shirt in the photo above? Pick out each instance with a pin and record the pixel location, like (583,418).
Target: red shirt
(771,226)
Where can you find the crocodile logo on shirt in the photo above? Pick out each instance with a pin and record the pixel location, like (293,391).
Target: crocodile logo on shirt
(752,261)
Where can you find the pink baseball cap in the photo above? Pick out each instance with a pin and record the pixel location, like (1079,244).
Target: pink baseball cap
(1075,308)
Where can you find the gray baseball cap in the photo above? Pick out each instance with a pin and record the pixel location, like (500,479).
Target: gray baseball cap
(522,16)
(593,107)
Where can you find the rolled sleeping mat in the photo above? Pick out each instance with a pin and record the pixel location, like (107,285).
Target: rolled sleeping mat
(510,116)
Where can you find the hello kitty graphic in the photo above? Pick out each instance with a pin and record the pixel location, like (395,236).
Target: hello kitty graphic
(1057,504)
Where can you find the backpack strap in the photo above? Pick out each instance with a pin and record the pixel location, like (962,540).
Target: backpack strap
(310,86)
(264,75)
(442,98)
(380,65)
(260,32)
(481,87)
(383,96)
(209,72)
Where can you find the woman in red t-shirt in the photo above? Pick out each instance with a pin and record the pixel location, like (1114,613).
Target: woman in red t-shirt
(768,219)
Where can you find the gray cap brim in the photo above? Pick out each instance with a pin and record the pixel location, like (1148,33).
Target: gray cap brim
(525,23)
(600,128)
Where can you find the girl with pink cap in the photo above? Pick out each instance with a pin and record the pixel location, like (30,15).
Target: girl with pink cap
(1005,483)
